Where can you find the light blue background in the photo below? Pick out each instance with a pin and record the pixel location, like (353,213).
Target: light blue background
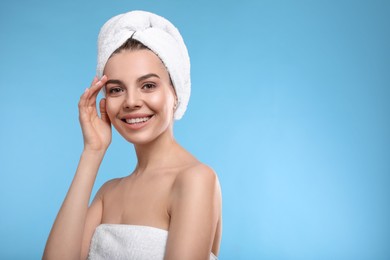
(290,105)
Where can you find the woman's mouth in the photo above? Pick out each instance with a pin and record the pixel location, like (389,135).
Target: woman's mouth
(137,120)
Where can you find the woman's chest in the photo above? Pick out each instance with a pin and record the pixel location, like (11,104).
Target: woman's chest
(139,202)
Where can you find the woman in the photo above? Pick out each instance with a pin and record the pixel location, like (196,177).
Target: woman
(170,206)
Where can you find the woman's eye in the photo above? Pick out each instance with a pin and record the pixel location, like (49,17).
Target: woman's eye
(115,90)
(148,86)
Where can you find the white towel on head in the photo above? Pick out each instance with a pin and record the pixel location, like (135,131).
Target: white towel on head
(159,35)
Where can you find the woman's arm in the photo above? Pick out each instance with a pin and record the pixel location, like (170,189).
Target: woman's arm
(65,239)
(195,212)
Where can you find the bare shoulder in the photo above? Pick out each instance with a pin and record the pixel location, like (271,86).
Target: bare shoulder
(197,185)
(197,177)
(108,186)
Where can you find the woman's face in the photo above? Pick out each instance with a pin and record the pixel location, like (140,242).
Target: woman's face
(139,97)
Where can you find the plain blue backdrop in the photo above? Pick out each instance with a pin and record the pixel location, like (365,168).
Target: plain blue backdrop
(290,105)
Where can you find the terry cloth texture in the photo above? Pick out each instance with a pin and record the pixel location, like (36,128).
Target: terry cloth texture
(116,241)
(159,35)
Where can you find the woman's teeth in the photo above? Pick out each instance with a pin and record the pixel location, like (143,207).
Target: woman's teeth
(137,120)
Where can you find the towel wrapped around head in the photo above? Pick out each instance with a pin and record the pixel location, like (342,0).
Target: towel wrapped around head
(160,36)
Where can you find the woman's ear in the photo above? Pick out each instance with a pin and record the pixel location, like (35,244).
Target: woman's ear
(175,105)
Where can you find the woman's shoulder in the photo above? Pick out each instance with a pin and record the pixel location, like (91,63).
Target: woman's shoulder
(191,171)
(197,176)
(197,170)
(109,185)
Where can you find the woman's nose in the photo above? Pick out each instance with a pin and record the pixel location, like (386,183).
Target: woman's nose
(133,99)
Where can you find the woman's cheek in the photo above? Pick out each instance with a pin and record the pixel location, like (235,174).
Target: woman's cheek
(110,109)
(164,99)
(157,101)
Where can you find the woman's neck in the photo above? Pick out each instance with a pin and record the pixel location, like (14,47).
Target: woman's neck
(156,154)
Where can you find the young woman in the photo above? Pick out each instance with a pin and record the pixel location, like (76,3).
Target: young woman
(170,206)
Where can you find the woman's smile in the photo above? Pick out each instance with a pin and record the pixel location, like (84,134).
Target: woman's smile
(136,121)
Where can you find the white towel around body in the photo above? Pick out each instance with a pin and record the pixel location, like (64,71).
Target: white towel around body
(120,242)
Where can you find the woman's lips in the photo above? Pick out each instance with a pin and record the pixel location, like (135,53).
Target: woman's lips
(136,122)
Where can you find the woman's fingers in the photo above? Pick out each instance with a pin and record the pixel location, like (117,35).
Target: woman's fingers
(96,130)
(83,99)
(103,112)
(85,95)
(95,88)
(88,99)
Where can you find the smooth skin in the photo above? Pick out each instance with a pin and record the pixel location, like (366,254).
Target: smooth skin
(169,188)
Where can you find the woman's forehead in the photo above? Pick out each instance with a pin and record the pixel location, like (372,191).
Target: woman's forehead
(135,62)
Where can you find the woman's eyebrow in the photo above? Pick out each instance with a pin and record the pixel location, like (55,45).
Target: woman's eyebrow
(142,78)
(150,75)
(114,81)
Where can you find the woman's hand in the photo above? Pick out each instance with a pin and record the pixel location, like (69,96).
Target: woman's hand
(96,130)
